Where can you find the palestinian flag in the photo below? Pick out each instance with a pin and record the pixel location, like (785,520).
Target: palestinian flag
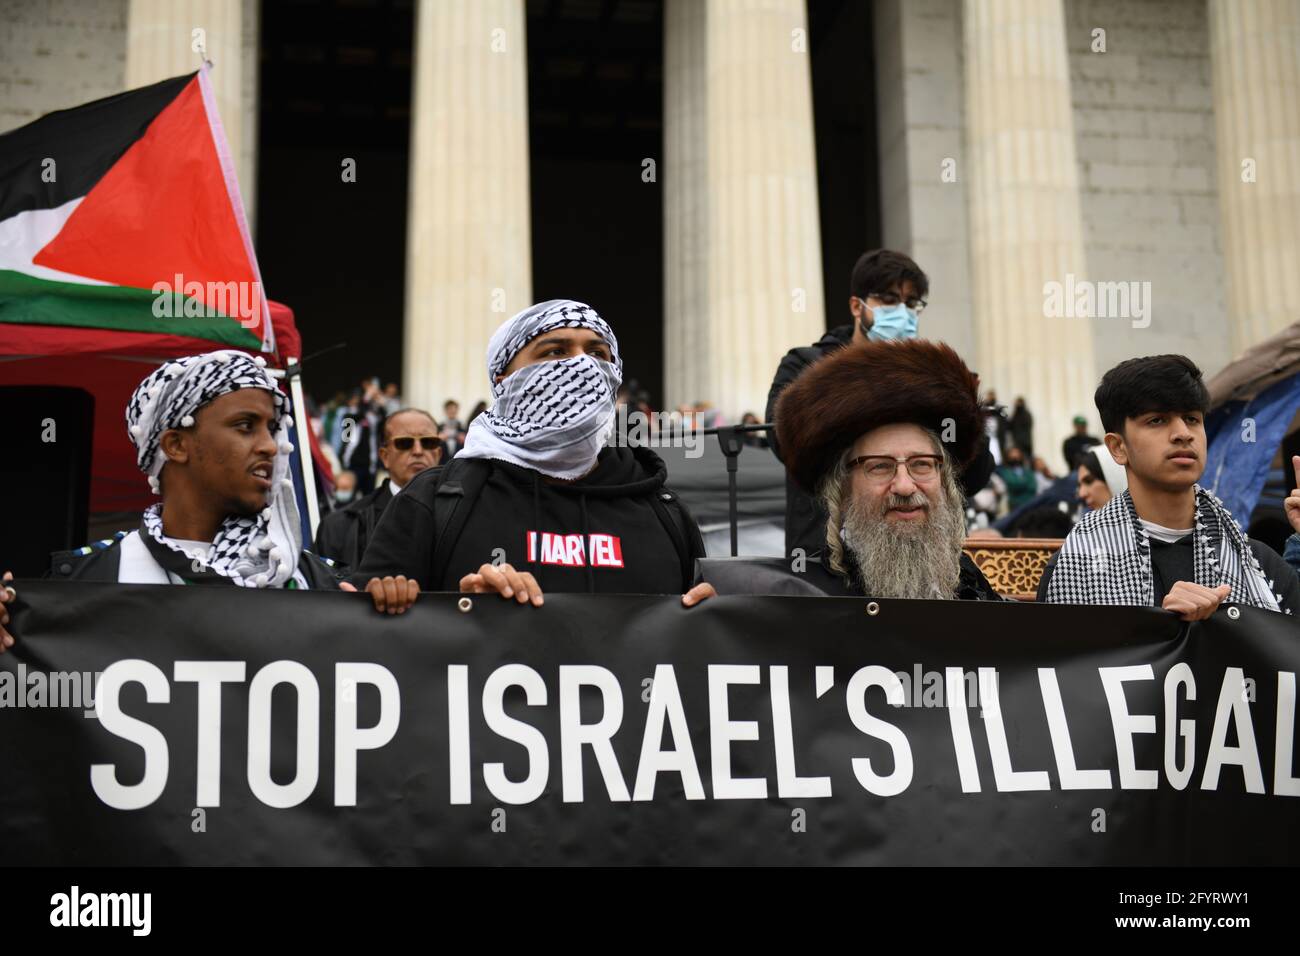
(124,214)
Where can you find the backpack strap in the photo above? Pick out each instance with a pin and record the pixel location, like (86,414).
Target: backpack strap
(322,573)
(672,516)
(459,484)
(103,557)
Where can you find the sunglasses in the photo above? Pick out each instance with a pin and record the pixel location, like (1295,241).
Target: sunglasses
(407,442)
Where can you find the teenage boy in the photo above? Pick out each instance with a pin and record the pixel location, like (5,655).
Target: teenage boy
(1165,541)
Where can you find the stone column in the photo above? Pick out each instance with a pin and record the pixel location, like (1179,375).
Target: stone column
(742,242)
(923,169)
(1255,54)
(1025,228)
(249,110)
(161,41)
(469,254)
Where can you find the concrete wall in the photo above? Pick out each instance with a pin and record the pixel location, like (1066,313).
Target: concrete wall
(58,53)
(1144,128)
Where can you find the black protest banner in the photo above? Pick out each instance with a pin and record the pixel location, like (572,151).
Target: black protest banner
(247,727)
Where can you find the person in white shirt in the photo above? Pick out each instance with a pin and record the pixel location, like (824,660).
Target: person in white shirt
(210,433)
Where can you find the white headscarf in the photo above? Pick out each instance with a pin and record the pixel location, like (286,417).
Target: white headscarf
(552,417)
(254,552)
(1113,473)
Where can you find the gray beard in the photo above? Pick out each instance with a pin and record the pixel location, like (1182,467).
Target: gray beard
(922,561)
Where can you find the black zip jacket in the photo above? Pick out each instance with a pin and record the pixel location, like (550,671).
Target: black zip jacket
(619,530)
(344,533)
(100,562)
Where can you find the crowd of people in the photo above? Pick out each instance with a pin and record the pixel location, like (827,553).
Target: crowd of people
(351,428)
(885,440)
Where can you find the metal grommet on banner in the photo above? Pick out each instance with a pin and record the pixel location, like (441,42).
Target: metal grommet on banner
(873,608)
(464,604)
(1234,613)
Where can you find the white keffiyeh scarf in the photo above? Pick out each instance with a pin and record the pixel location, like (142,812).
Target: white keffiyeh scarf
(1107,558)
(553,417)
(259,551)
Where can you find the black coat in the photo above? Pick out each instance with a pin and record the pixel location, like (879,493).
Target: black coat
(775,576)
(1073,447)
(641,537)
(344,533)
(1022,432)
(805,520)
(100,562)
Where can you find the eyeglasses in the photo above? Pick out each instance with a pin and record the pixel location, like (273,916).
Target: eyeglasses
(893,298)
(880,469)
(407,442)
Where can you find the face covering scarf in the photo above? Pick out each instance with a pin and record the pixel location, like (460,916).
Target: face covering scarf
(253,552)
(552,417)
(1107,558)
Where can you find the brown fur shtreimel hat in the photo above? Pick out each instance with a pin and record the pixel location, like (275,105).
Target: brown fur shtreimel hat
(864,386)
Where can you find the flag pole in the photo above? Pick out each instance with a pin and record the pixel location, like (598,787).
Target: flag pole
(302,436)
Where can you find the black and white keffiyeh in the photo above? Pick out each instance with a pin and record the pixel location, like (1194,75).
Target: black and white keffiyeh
(553,417)
(256,551)
(1107,558)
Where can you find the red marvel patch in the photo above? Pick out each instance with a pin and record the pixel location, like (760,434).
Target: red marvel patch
(570,551)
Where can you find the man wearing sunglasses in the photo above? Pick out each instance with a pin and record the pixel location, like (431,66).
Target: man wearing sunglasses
(410,445)
(879,434)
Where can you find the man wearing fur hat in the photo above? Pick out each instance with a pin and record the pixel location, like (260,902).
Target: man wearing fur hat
(880,433)
(887,292)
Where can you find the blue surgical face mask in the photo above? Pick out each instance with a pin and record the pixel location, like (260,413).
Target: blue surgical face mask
(892,322)
(343,496)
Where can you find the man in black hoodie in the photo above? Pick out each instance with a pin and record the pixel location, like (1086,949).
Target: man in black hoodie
(887,293)
(534,501)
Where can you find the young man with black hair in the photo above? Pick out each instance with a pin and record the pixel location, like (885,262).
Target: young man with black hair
(210,433)
(1165,541)
(887,293)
